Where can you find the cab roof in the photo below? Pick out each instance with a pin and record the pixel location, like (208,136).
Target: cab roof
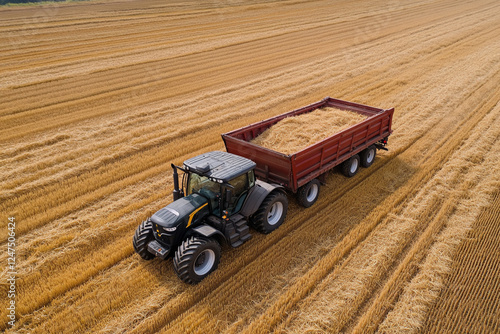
(219,166)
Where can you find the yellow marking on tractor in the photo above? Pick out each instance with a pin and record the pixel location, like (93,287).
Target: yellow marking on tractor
(194,212)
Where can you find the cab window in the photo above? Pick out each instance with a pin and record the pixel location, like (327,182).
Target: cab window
(240,184)
(251,179)
(205,187)
(238,193)
(197,182)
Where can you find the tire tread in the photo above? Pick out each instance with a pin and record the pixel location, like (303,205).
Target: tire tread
(183,258)
(363,156)
(302,193)
(259,220)
(143,235)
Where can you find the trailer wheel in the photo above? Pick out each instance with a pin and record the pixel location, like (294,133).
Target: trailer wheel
(368,156)
(308,194)
(196,258)
(350,167)
(143,235)
(271,213)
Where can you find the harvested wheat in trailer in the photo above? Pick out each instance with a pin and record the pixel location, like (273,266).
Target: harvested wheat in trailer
(223,194)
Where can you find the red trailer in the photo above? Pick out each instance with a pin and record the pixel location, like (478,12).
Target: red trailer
(302,171)
(221,197)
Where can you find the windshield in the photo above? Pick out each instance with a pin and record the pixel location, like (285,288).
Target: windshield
(208,189)
(201,184)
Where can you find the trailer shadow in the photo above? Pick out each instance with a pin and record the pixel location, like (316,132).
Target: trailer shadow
(359,195)
(381,179)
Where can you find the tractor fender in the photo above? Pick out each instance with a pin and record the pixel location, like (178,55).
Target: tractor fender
(256,196)
(209,232)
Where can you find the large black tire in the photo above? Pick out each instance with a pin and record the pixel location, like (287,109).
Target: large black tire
(351,166)
(308,194)
(271,213)
(367,156)
(196,258)
(143,235)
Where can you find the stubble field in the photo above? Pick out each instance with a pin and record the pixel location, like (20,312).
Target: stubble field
(98,98)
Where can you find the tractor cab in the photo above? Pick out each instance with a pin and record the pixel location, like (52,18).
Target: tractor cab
(224,179)
(219,199)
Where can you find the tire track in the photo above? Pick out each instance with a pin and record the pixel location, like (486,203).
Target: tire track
(474,257)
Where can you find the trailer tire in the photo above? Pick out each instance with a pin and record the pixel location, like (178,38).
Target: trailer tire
(271,213)
(308,194)
(143,235)
(367,156)
(196,258)
(351,166)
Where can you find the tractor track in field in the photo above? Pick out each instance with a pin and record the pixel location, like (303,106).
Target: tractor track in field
(475,256)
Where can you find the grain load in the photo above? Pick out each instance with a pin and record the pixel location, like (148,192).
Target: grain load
(293,134)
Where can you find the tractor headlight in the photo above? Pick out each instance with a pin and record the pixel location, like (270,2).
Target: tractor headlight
(170,229)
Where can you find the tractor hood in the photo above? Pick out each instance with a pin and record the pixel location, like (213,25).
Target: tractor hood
(175,212)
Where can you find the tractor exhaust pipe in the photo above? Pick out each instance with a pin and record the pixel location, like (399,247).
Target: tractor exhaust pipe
(177,192)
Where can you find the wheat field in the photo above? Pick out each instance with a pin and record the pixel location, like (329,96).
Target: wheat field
(98,98)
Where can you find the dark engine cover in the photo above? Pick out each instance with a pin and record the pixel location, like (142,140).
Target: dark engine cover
(175,212)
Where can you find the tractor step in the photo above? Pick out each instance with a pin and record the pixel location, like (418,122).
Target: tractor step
(237,231)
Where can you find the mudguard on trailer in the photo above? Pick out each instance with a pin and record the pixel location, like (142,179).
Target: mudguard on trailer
(257,195)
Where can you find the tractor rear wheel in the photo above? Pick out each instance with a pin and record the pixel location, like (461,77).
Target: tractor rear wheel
(351,166)
(308,193)
(271,213)
(196,258)
(143,235)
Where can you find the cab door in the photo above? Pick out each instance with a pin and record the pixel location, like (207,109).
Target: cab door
(239,193)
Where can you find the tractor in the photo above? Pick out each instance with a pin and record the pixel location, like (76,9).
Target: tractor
(219,199)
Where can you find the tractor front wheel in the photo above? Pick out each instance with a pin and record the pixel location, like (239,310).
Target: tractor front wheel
(143,235)
(196,258)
